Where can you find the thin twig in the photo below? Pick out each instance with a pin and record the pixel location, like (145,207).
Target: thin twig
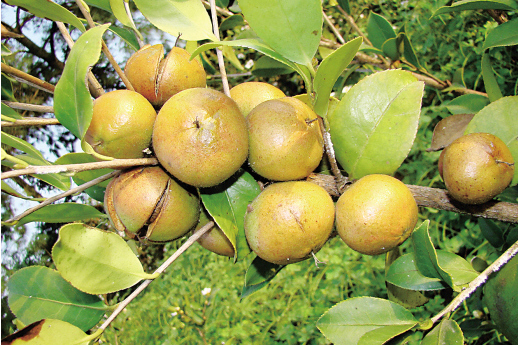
(333,28)
(73,168)
(30,107)
(95,87)
(43,85)
(478,281)
(219,53)
(31,121)
(120,307)
(221,11)
(72,191)
(105,49)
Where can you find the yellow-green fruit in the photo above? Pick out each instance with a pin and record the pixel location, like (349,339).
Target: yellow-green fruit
(200,137)
(215,239)
(501,299)
(148,203)
(157,78)
(250,94)
(376,214)
(288,221)
(285,139)
(122,124)
(476,167)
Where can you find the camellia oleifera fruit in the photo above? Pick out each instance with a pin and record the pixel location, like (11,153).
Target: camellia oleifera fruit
(122,124)
(250,94)
(215,239)
(476,167)
(376,214)
(157,78)
(200,137)
(285,139)
(148,203)
(288,221)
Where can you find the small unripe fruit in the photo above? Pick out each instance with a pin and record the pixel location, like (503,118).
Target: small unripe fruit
(158,79)
(285,139)
(288,221)
(200,137)
(376,214)
(148,203)
(250,94)
(122,124)
(476,167)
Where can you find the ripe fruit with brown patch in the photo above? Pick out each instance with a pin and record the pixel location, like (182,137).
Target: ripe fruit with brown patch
(476,167)
(288,221)
(122,124)
(376,214)
(200,137)
(248,95)
(148,203)
(285,139)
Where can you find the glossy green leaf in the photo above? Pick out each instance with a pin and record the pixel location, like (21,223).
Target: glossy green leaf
(505,34)
(506,5)
(227,204)
(22,145)
(62,213)
(11,191)
(38,292)
(49,10)
(10,112)
(96,261)
(379,30)
(329,71)
(119,11)
(102,4)
(48,332)
(97,191)
(73,105)
(348,321)
(268,67)
(127,35)
(499,119)
(467,104)
(391,47)
(447,332)
(187,18)
(297,26)
(383,334)
(490,83)
(258,275)
(374,126)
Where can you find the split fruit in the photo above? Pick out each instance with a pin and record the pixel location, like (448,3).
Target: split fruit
(285,139)
(148,203)
(158,79)
(376,214)
(250,94)
(122,124)
(200,137)
(476,167)
(289,221)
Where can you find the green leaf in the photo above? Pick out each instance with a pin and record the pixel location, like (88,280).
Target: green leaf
(188,18)
(127,35)
(119,11)
(345,5)
(490,83)
(506,5)
(10,112)
(329,71)
(447,332)
(383,334)
(38,292)
(102,4)
(232,22)
(409,53)
(391,46)
(6,51)
(11,191)
(493,233)
(96,261)
(268,67)
(499,119)
(48,332)
(467,104)
(374,126)
(379,30)
(297,26)
(97,191)
(227,204)
(348,321)
(7,89)
(73,105)
(258,275)
(22,145)
(505,34)
(62,213)
(49,10)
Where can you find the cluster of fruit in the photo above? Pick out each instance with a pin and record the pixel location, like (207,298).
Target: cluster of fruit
(201,137)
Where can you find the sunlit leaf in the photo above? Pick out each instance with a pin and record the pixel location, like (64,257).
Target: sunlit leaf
(119,11)
(374,126)
(48,332)
(62,213)
(22,145)
(505,34)
(96,261)
(297,30)
(467,104)
(446,332)
(10,112)
(38,292)
(73,105)
(258,275)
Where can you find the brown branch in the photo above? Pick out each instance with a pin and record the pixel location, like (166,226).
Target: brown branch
(27,77)
(30,107)
(31,121)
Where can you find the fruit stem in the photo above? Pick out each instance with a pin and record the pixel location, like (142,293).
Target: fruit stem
(219,53)
(504,162)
